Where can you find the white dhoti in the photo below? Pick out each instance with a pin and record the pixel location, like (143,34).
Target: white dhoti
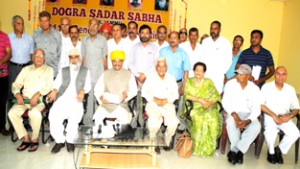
(290,130)
(65,108)
(35,119)
(165,114)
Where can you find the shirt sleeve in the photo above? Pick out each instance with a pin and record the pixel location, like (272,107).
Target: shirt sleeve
(99,88)
(105,48)
(88,83)
(270,61)
(6,41)
(19,82)
(186,61)
(83,48)
(130,59)
(31,50)
(173,95)
(256,101)
(58,80)
(132,89)
(227,57)
(294,100)
(241,58)
(227,97)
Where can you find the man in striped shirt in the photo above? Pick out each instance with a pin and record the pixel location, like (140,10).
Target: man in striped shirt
(258,57)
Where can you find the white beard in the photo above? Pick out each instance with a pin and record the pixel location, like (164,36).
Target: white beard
(75,67)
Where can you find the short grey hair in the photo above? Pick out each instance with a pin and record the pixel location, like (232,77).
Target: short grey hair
(160,59)
(14,18)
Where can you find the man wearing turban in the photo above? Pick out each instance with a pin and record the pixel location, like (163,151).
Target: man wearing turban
(115,87)
(105,30)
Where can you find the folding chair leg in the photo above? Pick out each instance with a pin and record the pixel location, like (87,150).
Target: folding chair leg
(296,151)
(224,138)
(258,144)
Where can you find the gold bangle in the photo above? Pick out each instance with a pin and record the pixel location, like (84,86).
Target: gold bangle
(292,116)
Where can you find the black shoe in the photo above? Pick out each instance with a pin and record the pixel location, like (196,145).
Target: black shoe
(4,132)
(157,150)
(70,147)
(271,158)
(232,157)
(278,154)
(240,157)
(57,147)
(167,148)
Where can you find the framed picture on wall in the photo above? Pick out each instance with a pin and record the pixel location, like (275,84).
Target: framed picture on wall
(135,4)
(107,2)
(79,1)
(162,5)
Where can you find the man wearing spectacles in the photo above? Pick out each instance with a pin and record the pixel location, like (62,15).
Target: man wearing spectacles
(35,81)
(182,35)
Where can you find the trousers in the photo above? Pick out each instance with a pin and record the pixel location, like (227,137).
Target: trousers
(35,119)
(241,141)
(157,115)
(290,130)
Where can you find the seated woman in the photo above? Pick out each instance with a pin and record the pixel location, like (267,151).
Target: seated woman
(206,123)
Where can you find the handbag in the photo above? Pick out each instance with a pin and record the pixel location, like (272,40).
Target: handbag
(184,145)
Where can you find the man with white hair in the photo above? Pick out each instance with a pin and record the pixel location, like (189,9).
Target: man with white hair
(70,86)
(160,90)
(114,88)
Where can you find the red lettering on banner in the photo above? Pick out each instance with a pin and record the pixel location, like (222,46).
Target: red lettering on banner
(144,17)
(92,13)
(68,12)
(130,16)
(106,14)
(121,15)
(151,18)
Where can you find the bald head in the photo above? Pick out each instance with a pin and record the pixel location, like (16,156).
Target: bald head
(280,76)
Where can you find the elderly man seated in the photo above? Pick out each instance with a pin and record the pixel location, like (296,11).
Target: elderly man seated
(115,87)
(241,100)
(33,82)
(280,105)
(160,90)
(70,85)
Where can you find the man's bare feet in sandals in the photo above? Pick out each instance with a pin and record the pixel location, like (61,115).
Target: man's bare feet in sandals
(25,143)
(34,145)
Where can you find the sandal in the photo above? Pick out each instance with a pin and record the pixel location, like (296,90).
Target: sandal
(33,146)
(23,146)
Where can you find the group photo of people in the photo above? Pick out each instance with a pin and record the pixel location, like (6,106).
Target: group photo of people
(86,79)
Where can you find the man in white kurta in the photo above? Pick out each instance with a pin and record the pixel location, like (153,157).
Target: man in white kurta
(241,101)
(65,40)
(72,43)
(36,81)
(117,43)
(114,88)
(70,86)
(193,49)
(217,55)
(280,105)
(160,90)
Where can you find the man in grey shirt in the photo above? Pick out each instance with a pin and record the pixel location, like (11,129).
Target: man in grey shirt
(94,52)
(49,40)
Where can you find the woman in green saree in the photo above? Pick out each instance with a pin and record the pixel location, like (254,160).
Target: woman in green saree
(206,125)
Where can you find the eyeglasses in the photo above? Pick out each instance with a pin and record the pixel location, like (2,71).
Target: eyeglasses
(162,32)
(183,33)
(39,56)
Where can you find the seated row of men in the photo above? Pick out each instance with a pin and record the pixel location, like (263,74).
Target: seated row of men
(117,85)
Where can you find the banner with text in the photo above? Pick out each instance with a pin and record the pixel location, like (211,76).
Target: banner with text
(150,12)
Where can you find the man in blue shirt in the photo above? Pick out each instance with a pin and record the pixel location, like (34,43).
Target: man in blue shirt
(258,56)
(22,49)
(178,65)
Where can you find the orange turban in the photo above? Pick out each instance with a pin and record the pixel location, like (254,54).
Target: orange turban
(106,26)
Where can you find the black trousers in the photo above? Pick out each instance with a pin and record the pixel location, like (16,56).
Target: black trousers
(3,99)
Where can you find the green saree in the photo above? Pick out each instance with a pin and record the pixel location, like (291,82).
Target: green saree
(206,127)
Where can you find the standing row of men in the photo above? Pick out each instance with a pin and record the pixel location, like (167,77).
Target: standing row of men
(140,55)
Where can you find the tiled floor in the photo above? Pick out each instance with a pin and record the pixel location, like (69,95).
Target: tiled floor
(10,158)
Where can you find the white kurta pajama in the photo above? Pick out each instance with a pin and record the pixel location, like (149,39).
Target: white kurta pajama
(115,109)
(67,107)
(280,102)
(165,88)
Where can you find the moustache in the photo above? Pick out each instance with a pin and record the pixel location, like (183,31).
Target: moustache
(130,33)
